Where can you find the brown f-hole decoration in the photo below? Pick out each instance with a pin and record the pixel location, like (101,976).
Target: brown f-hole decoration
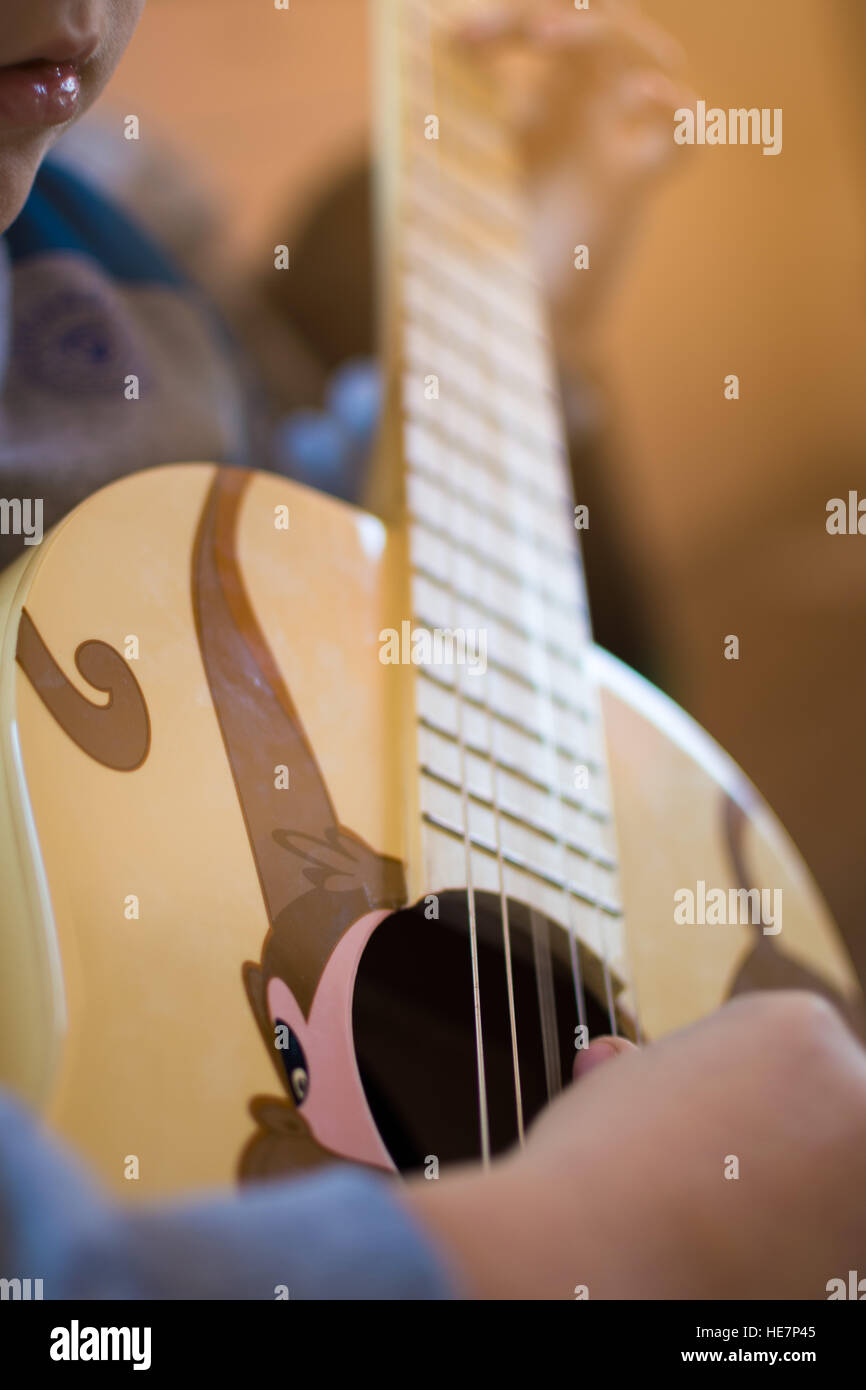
(317,877)
(117,733)
(766,965)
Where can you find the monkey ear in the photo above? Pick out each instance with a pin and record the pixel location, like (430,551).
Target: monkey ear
(283,1143)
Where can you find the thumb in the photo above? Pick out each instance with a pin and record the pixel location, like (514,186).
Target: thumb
(600,1050)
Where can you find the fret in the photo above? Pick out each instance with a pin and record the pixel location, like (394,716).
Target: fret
(471,376)
(476,428)
(480,393)
(429,209)
(467,178)
(610,906)
(429,441)
(540,526)
(453,82)
(513,454)
(498,597)
(519,697)
(464,281)
(520,843)
(544,529)
(490,157)
(533,677)
(463,525)
(532,694)
(554,834)
(552,819)
(491,199)
(524,660)
(556,561)
(436,543)
(457,200)
(523,706)
(493,406)
(508,466)
(468,595)
(471,438)
(512,757)
(456,87)
(578,741)
(463,173)
(448,316)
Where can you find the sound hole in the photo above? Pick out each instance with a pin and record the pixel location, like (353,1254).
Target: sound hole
(414,1027)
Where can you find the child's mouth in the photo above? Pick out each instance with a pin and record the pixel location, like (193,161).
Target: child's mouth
(41,93)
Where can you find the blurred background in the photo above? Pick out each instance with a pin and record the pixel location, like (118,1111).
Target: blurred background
(744,264)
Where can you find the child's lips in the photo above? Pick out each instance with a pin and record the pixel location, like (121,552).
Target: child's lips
(41,93)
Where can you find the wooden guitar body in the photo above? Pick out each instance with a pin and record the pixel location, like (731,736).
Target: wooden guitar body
(215,796)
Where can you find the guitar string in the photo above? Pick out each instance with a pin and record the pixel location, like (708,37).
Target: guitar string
(540,944)
(483,1107)
(539,926)
(540,931)
(485,581)
(601,925)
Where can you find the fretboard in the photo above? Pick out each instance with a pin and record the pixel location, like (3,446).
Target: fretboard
(511,766)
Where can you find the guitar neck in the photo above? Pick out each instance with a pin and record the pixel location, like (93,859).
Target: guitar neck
(464,322)
(474,476)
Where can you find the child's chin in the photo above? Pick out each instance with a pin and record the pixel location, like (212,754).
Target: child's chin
(20,158)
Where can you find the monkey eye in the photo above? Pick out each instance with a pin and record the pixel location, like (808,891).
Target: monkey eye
(294,1061)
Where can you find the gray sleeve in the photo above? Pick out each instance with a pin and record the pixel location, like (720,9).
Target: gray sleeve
(341,1234)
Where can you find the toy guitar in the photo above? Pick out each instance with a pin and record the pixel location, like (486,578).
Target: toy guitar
(328,835)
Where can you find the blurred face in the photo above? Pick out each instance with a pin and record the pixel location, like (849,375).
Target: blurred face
(55,58)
